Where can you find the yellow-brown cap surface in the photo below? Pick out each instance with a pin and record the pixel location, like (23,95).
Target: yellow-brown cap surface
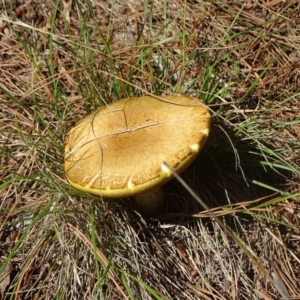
(118,150)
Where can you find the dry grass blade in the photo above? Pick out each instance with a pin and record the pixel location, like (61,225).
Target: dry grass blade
(102,258)
(4,281)
(204,294)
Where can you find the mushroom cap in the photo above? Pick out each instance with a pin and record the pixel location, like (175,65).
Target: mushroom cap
(118,150)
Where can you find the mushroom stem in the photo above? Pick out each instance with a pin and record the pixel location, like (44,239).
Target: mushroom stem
(150,203)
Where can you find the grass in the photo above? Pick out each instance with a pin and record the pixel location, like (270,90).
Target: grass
(60,62)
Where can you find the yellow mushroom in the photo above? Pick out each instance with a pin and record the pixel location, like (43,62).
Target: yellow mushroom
(118,150)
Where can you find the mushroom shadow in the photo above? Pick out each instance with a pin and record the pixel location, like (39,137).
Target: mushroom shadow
(229,170)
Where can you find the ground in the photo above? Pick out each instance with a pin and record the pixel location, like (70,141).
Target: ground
(60,60)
